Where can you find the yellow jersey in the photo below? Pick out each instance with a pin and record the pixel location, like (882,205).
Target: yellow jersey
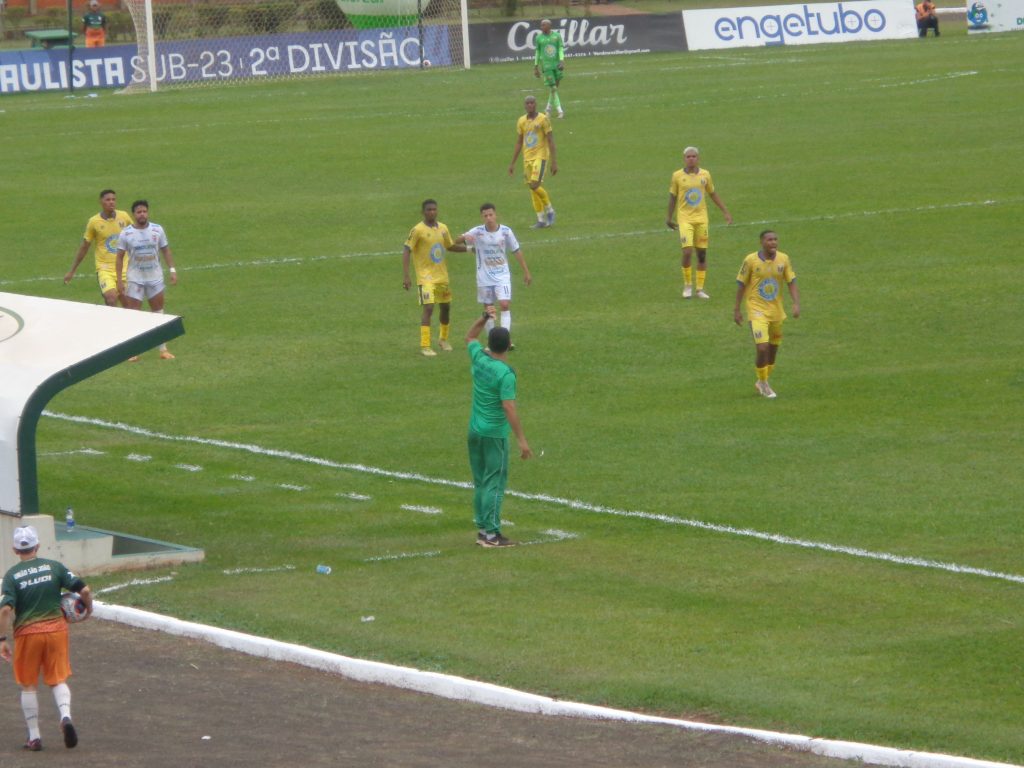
(763,280)
(429,246)
(535,136)
(691,191)
(103,234)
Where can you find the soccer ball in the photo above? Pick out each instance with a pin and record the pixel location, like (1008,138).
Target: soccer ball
(73,607)
(426,63)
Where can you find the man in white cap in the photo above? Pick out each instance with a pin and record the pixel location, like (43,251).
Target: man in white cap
(94,25)
(31,593)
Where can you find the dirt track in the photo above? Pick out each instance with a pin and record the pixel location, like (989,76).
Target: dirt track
(141,698)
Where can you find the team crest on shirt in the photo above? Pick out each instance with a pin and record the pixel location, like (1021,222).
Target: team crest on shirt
(531,139)
(436,253)
(768,289)
(693,196)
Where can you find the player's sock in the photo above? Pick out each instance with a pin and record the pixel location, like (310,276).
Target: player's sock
(163,347)
(768,370)
(701,274)
(545,200)
(687,276)
(424,335)
(30,707)
(556,100)
(444,331)
(506,319)
(62,696)
(538,203)
(489,324)
(762,373)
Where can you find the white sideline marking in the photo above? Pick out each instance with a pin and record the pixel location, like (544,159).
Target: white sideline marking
(487,694)
(290,487)
(243,478)
(402,556)
(353,496)
(135,583)
(189,467)
(555,241)
(937,78)
(85,451)
(137,457)
(774,538)
(424,510)
(274,569)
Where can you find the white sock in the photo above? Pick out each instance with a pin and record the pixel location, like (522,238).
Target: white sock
(506,319)
(542,216)
(163,347)
(489,324)
(30,706)
(549,209)
(62,695)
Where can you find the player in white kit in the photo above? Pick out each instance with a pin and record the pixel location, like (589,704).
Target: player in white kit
(493,242)
(142,244)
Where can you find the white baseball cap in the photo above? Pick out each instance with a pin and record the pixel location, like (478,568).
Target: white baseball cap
(26,538)
(94,3)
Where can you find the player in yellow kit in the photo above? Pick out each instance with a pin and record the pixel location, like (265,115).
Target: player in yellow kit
(426,246)
(760,278)
(536,141)
(103,230)
(688,192)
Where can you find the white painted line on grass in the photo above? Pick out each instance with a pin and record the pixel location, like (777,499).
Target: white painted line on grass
(291,487)
(554,535)
(83,451)
(243,478)
(272,569)
(402,556)
(138,457)
(135,583)
(577,504)
(353,496)
(189,467)
(424,510)
(487,694)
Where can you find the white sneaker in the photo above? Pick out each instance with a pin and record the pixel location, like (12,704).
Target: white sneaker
(427,352)
(444,345)
(702,295)
(687,291)
(767,391)
(759,387)
(561,114)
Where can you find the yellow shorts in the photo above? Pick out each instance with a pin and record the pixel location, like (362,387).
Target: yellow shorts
(46,651)
(764,331)
(693,235)
(107,278)
(533,170)
(435,293)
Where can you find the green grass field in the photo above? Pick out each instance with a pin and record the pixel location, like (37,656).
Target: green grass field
(892,173)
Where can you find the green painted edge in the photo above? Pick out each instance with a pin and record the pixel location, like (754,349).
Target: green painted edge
(28,484)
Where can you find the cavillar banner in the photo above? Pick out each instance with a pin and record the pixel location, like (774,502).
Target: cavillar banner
(995,16)
(799,24)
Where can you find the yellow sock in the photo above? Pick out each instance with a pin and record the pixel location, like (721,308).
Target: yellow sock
(701,273)
(538,202)
(762,374)
(424,335)
(687,276)
(545,200)
(444,332)
(768,368)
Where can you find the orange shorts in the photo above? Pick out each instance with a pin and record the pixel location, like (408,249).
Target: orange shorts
(46,651)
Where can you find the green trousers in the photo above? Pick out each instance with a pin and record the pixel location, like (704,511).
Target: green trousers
(488,458)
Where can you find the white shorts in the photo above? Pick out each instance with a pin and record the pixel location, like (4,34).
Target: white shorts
(492,294)
(146,290)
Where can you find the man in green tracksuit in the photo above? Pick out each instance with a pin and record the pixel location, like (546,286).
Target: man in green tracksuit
(493,416)
(548,61)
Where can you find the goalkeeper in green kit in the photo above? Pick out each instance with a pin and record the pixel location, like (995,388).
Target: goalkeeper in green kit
(548,61)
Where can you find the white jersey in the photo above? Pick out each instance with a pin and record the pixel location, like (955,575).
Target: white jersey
(142,249)
(492,250)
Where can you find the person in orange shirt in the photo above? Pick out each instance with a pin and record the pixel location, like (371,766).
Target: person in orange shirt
(94,25)
(926,18)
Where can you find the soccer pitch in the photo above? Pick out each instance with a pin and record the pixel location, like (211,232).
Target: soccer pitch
(299,425)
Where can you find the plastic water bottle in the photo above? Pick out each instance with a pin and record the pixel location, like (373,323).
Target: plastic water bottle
(69,520)
(323,569)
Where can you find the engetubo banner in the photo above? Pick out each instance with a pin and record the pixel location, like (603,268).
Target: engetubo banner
(592,36)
